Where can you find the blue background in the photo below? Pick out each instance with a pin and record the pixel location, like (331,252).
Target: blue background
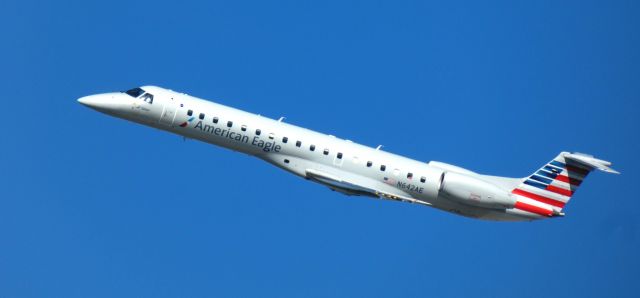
(93,206)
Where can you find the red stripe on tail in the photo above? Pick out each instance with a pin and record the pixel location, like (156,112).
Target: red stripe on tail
(570,180)
(558,190)
(533,209)
(538,198)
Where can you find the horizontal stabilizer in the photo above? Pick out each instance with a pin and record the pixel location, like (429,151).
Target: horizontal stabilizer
(590,161)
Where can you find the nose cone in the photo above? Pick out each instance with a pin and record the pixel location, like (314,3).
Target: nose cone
(93,101)
(105,103)
(85,100)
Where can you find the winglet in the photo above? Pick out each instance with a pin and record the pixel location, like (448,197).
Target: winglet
(591,162)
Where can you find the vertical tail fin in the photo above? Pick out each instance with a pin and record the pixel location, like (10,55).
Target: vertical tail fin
(549,189)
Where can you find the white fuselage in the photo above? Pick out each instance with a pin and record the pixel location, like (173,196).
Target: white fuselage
(301,151)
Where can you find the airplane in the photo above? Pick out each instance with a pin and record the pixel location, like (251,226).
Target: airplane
(351,168)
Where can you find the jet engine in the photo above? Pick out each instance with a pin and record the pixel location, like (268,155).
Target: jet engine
(470,190)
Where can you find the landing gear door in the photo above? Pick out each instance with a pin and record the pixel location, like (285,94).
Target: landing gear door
(168,112)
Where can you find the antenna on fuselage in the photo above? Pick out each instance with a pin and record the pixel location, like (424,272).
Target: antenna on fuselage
(281,118)
(379,147)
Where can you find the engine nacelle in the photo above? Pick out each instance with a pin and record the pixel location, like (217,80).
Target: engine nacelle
(473,191)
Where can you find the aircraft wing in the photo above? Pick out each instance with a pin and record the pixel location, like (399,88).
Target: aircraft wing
(353,188)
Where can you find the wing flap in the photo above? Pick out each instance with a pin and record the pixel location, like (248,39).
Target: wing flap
(352,188)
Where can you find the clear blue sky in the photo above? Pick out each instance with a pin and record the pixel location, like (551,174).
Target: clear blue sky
(93,206)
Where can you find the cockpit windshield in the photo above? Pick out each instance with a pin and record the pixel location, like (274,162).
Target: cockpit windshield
(148,97)
(135,92)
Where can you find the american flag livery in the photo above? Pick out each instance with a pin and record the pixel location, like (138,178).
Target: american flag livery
(550,188)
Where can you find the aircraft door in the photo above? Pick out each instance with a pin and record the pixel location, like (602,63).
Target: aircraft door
(168,112)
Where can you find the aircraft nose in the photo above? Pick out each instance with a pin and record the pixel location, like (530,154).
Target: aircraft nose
(101,102)
(92,101)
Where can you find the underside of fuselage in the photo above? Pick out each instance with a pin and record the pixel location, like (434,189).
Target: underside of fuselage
(350,185)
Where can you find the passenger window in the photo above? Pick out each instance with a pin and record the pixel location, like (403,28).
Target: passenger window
(326,152)
(285,139)
(189,113)
(423,179)
(339,155)
(243,128)
(201,116)
(257,132)
(298,143)
(312,147)
(409,175)
(229,123)
(215,119)
(383,168)
(369,164)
